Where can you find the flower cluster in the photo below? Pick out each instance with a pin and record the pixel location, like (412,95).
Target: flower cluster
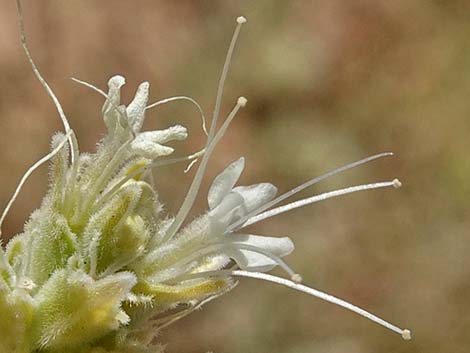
(100,268)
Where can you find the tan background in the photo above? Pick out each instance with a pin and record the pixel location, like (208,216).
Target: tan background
(328,82)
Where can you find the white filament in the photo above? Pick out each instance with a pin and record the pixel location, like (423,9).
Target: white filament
(28,173)
(195,185)
(179,98)
(405,333)
(303,186)
(211,140)
(43,82)
(324,196)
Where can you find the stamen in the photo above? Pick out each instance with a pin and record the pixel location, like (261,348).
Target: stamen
(35,166)
(220,89)
(211,139)
(241,20)
(195,185)
(177,98)
(324,196)
(43,82)
(303,186)
(405,333)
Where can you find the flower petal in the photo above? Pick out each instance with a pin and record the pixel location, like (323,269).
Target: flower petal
(224,182)
(279,246)
(136,109)
(110,115)
(227,212)
(176,132)
(254,261)
(149,149)
(256,195)
(251,261)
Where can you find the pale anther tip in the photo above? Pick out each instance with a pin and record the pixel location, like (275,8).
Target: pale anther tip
(242,101)
(397,183)
(241,20)
(296,278)
(406,334)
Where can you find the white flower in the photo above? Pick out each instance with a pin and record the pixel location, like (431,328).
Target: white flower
(98,267)
(229,204)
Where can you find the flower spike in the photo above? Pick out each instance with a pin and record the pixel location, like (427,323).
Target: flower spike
(100,265)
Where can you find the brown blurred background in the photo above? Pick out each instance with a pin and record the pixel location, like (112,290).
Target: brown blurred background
(328,82)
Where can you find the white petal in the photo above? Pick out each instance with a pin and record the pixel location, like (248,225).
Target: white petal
(256,195)
(114,93)
(110,115)
(251,261)
(254,261)
(227,212)
(279,246)
(176,132)
(149,149)
(224,182)
(136,109)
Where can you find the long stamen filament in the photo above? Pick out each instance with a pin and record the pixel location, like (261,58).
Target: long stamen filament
(324,196)
(28,173)
(405,333)
(211,139)
(303,186)
(220,89)
(43,82)
(195,185)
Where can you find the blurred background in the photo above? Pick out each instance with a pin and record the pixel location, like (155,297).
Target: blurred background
(328,82)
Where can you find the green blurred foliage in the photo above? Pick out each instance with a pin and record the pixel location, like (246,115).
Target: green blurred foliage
(328,82)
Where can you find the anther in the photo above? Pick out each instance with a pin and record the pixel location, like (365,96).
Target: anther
(241,20)
(406,334)
(396,183)
(296,278)
(242,101)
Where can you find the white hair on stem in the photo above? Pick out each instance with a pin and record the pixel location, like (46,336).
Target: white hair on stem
(324,196)
(303,186)
(43,82)
(28,173)
(211,138)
